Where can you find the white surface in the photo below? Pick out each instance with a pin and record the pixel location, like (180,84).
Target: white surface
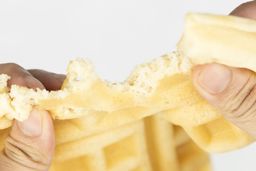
(114,34)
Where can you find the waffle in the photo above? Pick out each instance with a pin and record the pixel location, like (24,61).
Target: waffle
(155,119)
(137,146)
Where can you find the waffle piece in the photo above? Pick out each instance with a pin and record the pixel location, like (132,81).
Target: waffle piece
(227,40)
(162,85)
(150,144)
(127,126)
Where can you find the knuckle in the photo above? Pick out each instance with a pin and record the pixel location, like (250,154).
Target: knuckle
(245,10)
(246,5)
(12,66)
(240,105)
(26,154)
(25,80)
(246,109)
(19,75)
(21,80)
(7,68)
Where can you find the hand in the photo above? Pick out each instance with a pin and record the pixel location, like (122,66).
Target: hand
(30,144)
(231,90)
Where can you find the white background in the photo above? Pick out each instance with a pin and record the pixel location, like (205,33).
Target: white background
(114,34)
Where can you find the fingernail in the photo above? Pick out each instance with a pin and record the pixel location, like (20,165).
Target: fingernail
(33,125)
(214,78)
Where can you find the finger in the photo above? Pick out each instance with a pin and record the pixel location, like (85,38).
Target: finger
(30,145)
(236,103)
(19,76)
(247,10)
(231,90)
(51,81)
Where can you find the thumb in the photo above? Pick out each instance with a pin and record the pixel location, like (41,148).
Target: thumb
(30,144)
(231,90)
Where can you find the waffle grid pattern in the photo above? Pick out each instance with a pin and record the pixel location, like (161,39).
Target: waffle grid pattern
(150,144)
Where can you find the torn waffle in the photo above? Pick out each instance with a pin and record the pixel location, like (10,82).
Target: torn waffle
(105,126)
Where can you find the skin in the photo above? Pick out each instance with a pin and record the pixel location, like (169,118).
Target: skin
(231,90)
(30,144)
